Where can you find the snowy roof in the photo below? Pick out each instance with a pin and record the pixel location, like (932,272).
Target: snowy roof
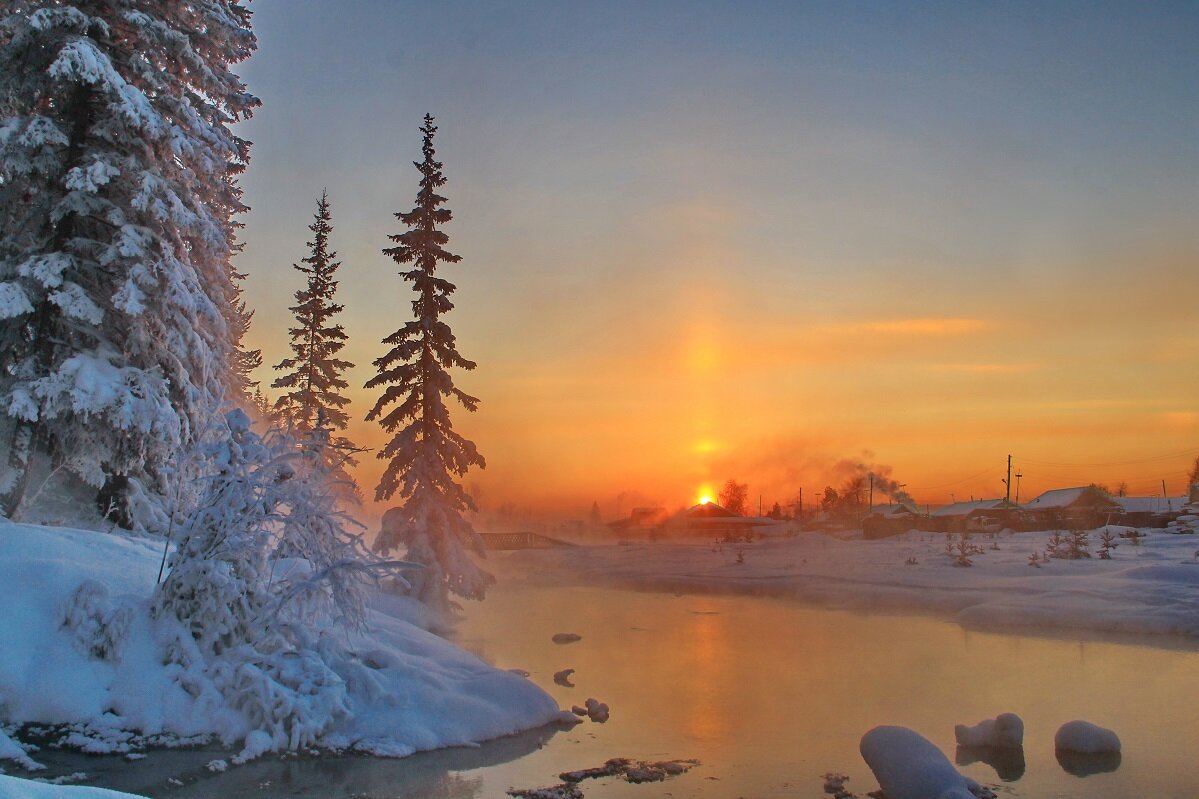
(1150,504)
(1068,497)
(708,510)
(966,508)
(893,511)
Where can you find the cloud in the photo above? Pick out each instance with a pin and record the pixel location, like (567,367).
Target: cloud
(927,326)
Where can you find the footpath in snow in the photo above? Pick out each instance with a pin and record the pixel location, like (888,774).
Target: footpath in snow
(94,673)
(1147,589)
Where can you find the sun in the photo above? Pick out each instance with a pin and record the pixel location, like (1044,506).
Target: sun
(705,500)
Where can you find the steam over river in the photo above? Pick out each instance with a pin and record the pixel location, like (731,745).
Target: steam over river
(768,696)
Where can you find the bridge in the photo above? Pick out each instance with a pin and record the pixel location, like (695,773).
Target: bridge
(510,541)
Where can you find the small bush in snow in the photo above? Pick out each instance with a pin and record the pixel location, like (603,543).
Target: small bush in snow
(97,627)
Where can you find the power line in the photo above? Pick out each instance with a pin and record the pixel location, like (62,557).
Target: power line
(1158,458)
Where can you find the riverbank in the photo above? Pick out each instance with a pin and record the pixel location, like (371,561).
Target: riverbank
(1148,587)
(85,665)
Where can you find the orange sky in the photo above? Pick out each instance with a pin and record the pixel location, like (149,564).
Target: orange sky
(744,253)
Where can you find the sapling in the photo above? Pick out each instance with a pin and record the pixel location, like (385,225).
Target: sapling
(1078,545)
(1034,561)
(1108,539)
(964,550)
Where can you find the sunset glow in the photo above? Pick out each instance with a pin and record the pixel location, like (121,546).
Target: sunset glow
(765,264)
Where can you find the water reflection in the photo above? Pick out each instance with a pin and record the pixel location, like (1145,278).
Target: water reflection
(433,774)
(1008,762)
(1085,764)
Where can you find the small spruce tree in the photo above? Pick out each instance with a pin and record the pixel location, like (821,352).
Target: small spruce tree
(425,454)
(312,379)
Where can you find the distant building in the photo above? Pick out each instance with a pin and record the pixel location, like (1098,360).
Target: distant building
(1085,507)
(640,520)
(976,516)
(1149,511)
(888,520)
(707,520)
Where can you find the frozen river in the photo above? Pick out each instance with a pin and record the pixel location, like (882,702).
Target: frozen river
(768,695)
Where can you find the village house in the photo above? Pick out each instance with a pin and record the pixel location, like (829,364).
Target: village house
(1149,511)
(888,520)
(1085,508)
(975,516)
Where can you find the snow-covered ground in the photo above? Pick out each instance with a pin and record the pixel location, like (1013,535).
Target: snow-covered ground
(103,673)
(1151,588)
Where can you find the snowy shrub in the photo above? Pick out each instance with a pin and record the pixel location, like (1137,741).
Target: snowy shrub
(235,626)
(97,628)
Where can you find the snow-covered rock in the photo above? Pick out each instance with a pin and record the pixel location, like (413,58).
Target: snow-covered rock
(1005,730)
(909,766)
(1085,737)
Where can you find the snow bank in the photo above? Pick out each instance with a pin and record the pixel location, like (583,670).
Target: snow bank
(16,788)
(909,766)
(1005,731)
(1086,738)
(1152,588)
(80,648)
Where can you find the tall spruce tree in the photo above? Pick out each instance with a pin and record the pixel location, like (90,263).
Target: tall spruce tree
(425,453)
(313,379)
(120,311)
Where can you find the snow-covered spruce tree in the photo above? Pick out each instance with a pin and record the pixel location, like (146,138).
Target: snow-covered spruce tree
(120,312)
(425,453)
(313,380)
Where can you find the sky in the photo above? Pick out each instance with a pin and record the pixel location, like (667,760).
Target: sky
(762,241)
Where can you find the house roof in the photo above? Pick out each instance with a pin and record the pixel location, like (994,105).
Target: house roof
(894,511)
(1068,497)
(966,508)
(708,510)
(1150,504)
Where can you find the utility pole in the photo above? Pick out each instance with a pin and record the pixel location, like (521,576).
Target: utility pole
(872,491)
(1008,481)
(1169,504)
(801,503)
(1018,476)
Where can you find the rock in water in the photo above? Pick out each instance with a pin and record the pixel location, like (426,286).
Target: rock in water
(909,766)
(1085,737)
(1005,730)
(566,638)
(563,678)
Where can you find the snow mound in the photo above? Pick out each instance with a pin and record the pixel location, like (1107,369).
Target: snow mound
(1085,737)
(1005,730)
(909,766)
(16,788)
(82,649)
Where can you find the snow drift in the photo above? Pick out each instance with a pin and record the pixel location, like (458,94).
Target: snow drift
(82,648)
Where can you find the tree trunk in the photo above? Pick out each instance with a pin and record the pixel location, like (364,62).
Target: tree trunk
(20,457)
